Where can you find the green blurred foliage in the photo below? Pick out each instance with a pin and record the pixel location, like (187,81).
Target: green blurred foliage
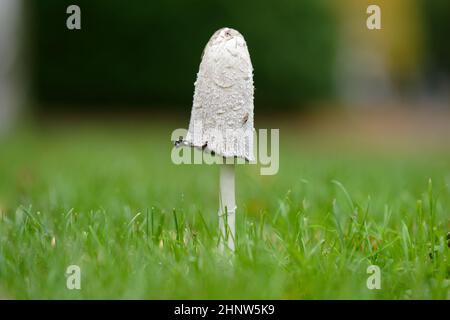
(436,14)
(148,52)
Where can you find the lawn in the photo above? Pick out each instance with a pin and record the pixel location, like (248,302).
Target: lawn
(109,200)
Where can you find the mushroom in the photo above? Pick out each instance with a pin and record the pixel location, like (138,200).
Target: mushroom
(222,116)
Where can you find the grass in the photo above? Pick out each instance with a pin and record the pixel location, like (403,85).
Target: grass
(109,200)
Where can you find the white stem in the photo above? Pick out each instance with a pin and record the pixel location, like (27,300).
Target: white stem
(227,208)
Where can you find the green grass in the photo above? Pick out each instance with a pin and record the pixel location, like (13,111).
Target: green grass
(141,227)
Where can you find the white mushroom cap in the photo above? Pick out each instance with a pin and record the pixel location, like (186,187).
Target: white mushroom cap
(222,111)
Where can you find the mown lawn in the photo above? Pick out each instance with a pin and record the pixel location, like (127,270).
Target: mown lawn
(107,198)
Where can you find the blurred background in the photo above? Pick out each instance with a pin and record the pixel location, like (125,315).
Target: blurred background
(310,57)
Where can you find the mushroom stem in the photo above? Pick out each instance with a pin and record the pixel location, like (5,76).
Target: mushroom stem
(227,208)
